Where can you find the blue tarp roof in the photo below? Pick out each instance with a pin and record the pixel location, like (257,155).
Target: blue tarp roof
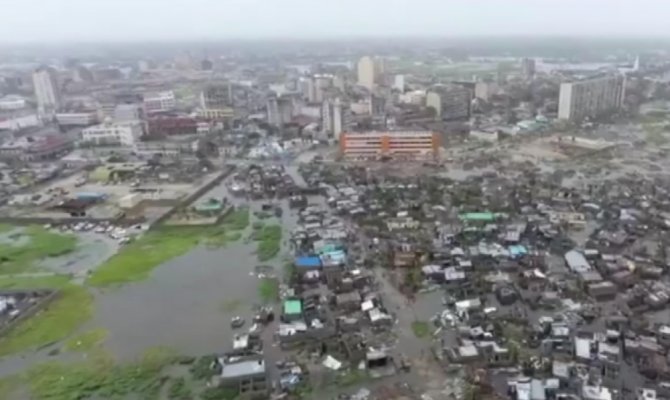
(518,250)
(308,262)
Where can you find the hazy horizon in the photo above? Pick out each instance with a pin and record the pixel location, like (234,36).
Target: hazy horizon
(84,21)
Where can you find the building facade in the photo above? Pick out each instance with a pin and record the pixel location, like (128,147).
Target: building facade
(39,148)
(217,102)
(12,103)
(160,102)
(393,144)
(370,71)
(528,67)
(450,102)
(83,118)
(112,134)
(591,98)
(47,93)
(332,118)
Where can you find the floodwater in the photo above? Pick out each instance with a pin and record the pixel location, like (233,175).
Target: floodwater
(188,302)
(93,249)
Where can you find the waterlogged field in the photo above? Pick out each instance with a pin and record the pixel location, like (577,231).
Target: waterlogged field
(175,290)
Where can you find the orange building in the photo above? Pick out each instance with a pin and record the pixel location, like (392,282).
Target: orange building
(394,144)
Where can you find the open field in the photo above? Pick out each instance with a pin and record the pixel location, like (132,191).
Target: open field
(22,248)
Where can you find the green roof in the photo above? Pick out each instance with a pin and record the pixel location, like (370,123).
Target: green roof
(292,307)
(205,207)
(479,216)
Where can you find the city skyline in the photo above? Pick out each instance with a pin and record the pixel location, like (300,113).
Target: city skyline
(47,21)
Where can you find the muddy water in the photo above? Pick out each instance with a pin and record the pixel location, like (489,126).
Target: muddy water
(188,302)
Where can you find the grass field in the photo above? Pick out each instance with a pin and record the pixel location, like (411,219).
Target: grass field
(86,341)
(38,244)
(269,242)
(72,307)
(100,377)
(268,290)
(421,329)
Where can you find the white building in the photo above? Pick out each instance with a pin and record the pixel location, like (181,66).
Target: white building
(591,98)
(18,123)
(160,102)
(485,90)
(108,134)
(12,103)
(370,72)
(399,83)
(332,118)
(417,97)
(128,112)
(84,118)
(47,93)
(279,111)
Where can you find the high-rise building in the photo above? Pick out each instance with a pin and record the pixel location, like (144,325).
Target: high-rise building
(395,144)
(591,98)
(217,96)
(321,84)
(377,105)
(528,67)
(370,71)
(484,90)
(279,111)
(47,92)
(399,83)
(217,102)
(332,118)
(450,102)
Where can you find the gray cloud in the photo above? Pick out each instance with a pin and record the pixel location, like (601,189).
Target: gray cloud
(139,20)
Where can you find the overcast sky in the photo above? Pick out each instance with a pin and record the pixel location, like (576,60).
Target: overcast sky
(140,20)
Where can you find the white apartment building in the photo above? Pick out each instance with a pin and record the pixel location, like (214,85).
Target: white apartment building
(85,118)
(12,103)
(332,118)
(112,134)
(47,94)
(591,98)
(128,112)
(370,71)
(160,102)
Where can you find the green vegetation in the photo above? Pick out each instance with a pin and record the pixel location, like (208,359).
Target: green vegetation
(202,368)
(268,290)
(136,261)
(86,341)
(4,228)
(351,377)
(39,244)
(178,390)
(238,219)
(421,329)
(38,282)
(100,378)
(60,318)
(218,393)
(269,242)
(8,386)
